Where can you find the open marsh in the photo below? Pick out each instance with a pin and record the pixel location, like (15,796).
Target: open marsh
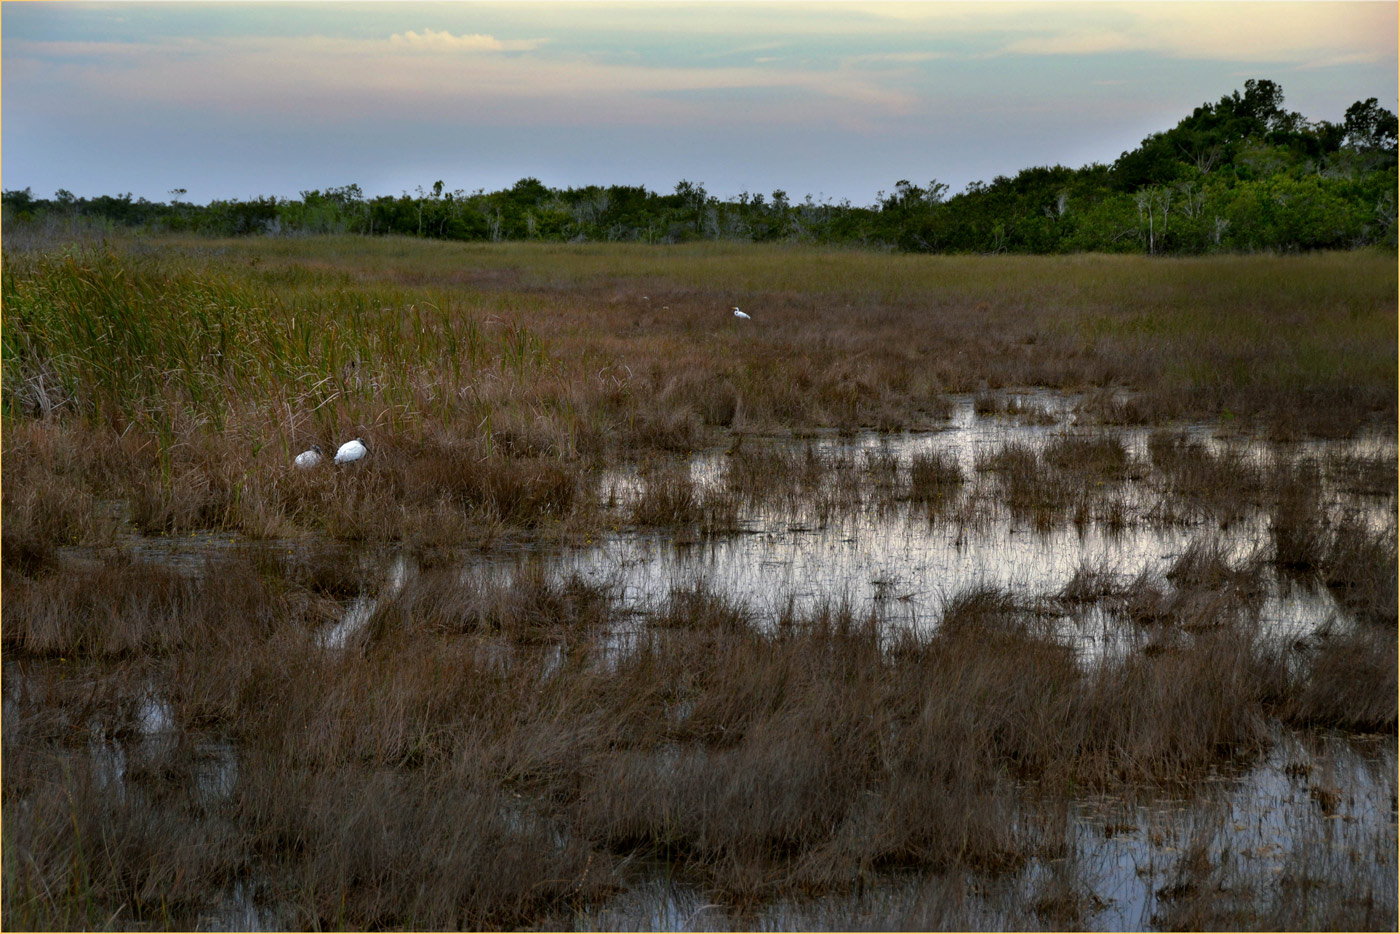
(633,620)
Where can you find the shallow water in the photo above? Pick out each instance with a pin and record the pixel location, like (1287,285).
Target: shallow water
(361,609)
(1312,798)
(903,563)
(1124,856)
(1259,825)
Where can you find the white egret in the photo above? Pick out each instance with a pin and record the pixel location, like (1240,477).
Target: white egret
(308,459)
(351,451)
(740,314)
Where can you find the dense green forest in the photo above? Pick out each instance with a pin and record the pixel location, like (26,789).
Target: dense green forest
(1243,173)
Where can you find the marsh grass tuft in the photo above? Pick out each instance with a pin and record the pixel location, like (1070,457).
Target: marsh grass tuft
(990,405)
(1042,497)
(1101,456)
(1298,522)
(1359,567)
(934,477)
(671,499)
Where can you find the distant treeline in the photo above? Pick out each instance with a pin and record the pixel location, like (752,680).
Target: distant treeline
(1240,174)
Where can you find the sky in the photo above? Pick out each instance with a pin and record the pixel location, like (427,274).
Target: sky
(833,100)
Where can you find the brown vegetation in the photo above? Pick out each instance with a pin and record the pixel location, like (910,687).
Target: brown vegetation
(488,754)
(493,746)
(488,380)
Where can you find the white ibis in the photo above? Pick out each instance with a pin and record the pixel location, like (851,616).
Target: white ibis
(351,451)
(308,459)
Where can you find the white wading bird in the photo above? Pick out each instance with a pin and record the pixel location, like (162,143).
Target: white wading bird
(740,314)
(351,451)
(308,459)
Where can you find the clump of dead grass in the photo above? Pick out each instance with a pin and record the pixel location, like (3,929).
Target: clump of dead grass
(934,477)
(671,499)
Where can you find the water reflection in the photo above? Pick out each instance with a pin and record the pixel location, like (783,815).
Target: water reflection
(361,609)
(901,562)
(1126,861)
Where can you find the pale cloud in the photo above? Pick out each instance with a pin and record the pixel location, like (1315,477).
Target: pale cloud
(434,40)
(1338,61)
(1244,32)
(421,70)
(98,52)
(878,59)
(1085,42)
(323,78)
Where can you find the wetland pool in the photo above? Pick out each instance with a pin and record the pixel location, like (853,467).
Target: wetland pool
(1314,814)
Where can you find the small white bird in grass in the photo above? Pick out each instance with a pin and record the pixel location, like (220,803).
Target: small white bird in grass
(308,459)
(351,451)
(740,314)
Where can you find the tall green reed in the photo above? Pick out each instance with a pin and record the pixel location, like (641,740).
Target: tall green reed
(174,341)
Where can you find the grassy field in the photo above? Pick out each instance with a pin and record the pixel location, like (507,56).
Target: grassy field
(180,377)
(506,750)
